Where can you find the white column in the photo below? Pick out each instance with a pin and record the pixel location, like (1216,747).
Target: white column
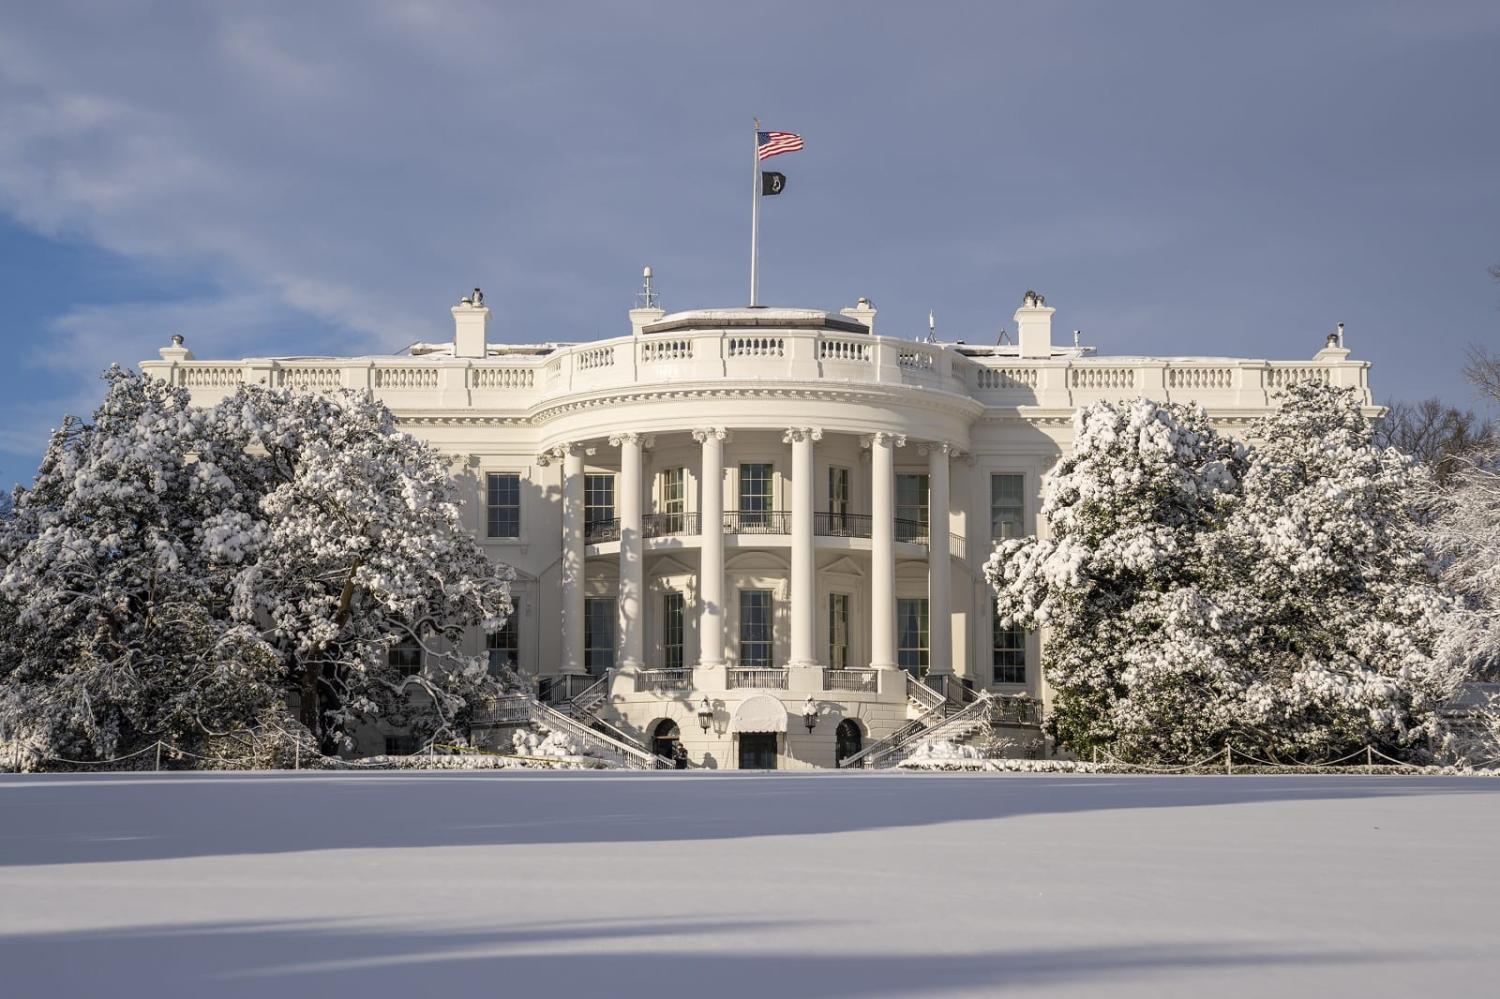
(630,637)
(883,549)
(804,601)
(711,529)
(572,559)
(939,564)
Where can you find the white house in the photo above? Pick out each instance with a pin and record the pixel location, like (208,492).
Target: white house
(732,524)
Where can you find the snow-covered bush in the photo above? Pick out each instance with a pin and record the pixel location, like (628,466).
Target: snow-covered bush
(548,744)
(176,572)
(1198,592)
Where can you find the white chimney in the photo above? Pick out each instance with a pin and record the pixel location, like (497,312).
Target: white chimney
(1034,326)
(471,320)
(863,312)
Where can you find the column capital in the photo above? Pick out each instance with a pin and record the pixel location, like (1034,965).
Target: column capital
(940,447)
(560,451)
(704,433)
(882,438)
(794,434)
(631,437)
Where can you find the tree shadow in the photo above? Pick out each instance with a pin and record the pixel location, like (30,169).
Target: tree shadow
(608,958)
(76,818)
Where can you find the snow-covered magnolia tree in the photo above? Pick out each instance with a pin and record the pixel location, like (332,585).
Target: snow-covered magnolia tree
(1197,592)
(176,570)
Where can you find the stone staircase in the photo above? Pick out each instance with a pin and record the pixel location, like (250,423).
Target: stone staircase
(957,714)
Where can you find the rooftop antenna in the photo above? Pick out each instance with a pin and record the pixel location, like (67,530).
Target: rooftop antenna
(1004,339)
(1077,338)
(931,327)
(647,297)
(1341,334)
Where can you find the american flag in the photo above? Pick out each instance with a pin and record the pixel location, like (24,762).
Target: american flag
(776,143)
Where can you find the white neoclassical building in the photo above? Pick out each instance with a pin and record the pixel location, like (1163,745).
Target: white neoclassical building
(758,533)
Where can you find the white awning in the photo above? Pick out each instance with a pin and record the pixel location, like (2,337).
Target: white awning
(761,713)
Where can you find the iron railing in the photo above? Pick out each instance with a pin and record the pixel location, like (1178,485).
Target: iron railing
(595,531)
(761,678)
(667,525)
(842,525)
(757,522)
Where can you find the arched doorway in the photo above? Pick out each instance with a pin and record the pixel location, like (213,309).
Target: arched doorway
(848,740)
(664,739)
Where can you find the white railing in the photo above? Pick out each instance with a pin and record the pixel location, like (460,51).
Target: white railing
(655,680)
(857,351)
(502,378)
(607,745)
(319,379)
(755,346)
(958,725)
(758,678)
(595,357)
(919,360)
(1006,378)
(1284,377)
(850,679)
(1101,378)
(1181,377)
(211,376)
(593,695)
(922,694)
(666,350)
(406,378)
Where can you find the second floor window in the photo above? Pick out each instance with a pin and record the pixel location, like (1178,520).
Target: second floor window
(598,635)
(838,492)
(673,498)
(503,504)
(912,649)
(755,628)
(598,502)
(838,630)
(405,657)
(1007,506)
(504,646)
(755,492)
(672,614)
(1008,653)
(911,507)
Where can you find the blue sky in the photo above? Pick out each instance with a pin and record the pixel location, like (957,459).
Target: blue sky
(1177,178)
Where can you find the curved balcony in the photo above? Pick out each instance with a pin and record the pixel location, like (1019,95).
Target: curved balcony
(770,523)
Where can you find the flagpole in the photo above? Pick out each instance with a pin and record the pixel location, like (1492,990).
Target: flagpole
(755,223)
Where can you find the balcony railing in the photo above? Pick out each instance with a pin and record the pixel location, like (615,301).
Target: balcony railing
(667,525)
(757,522)
(850,679)
(660,680)
(756,677)
(912,532)
(599,530)
(842,525)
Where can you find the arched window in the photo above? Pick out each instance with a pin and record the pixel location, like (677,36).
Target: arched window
(664,739)
(848,739)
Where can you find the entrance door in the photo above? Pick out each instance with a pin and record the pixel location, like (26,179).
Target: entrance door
(757,750)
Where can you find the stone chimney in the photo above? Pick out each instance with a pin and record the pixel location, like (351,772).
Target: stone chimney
(648,309)
(176,352)
(1034,326)
(863,312)
(471,320)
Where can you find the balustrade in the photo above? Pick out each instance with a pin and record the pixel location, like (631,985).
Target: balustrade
(756,677)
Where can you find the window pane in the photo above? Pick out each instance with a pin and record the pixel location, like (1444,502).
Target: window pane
(911,498)
(755,628)
(671,630)
(911,635)
(755,488)
(598,634)
(838,491)
(1007,506)
(405,656)
(838,630)
(1008,652)
(598,500)
(503,646)
(503,505)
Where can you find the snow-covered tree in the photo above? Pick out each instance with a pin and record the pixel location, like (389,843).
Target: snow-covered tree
(177,570)
(1197,592)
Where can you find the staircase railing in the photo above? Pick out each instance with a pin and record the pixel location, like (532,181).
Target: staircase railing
(977,712)
(927,719)
(924,695)
(608,745)
(593,695)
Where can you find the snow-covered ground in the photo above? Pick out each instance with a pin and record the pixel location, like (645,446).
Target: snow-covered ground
(728,885)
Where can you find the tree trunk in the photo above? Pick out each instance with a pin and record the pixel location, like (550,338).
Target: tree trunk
(308,711)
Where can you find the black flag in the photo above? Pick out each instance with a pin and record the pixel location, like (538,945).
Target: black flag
(772,182)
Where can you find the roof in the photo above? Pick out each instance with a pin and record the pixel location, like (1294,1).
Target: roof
(761,317)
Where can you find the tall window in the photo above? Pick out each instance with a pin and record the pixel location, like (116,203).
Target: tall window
(503,504)
(911,507)
(598,635)
(1007,506)
(755,628)
(838,630)
(673,500)
(598,503)
(755,493)
(672,606)
(1008,652)
(912,651)
(504,646)
(405,656)
(838,498)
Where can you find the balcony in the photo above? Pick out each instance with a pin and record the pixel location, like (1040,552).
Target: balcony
(601,529)
(662,681)
(865,680)
(768,522)
(841,525)
(669,525)
(757,522)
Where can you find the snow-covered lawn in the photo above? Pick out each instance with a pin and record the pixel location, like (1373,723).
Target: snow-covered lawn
(728,885)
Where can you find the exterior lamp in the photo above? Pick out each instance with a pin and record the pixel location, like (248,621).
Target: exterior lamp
(705,715)
(810,714)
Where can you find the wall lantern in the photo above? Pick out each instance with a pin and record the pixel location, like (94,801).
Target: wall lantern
(705,715)
(810,714)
